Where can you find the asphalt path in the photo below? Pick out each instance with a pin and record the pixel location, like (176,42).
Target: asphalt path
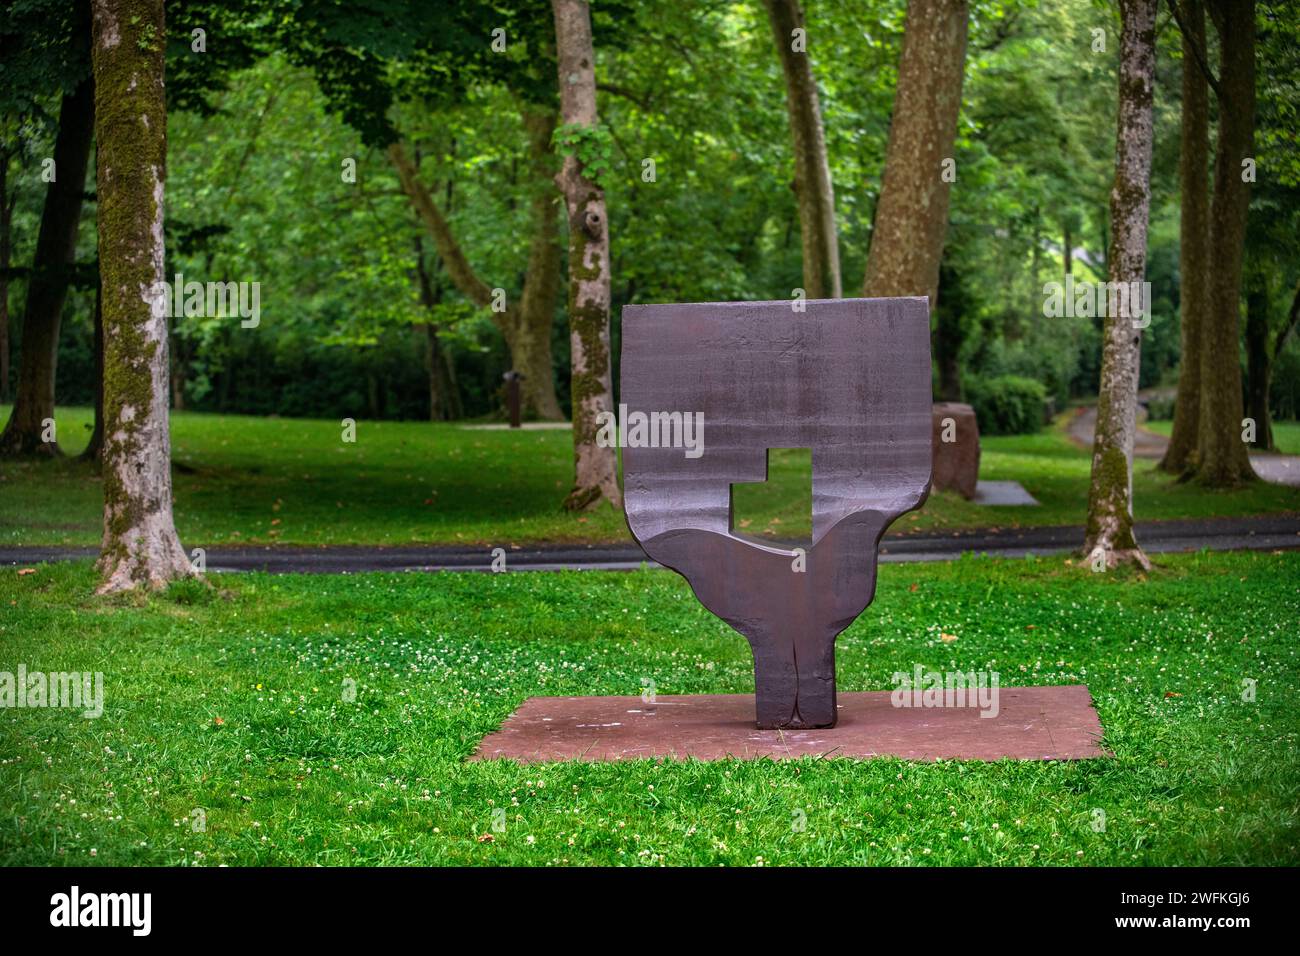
(1267,532)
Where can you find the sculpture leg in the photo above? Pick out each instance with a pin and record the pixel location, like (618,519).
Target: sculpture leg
(794,682)
(815,655)
(790,618)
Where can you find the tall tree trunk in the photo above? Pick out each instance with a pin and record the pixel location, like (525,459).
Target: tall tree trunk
(595,468)
(95,448)
(437,406)
(6,248)
(1110,493)
(1259,363)
(1222,457)
(526,325)
(140,546)
(912,215)
(56,249)
(444,403)
(531,346)
(1193,241)
(812,171)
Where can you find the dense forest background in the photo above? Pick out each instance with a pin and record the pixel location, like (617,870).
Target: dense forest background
(360,317)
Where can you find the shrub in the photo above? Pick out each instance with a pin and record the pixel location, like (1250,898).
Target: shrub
(1160,408)
(1007,405)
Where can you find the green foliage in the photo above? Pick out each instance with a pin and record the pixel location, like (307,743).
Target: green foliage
(236,32)
(368,57)
(259,124)
(592,146)
(1007,405)
(265,201)
(1278,90)
(46,52)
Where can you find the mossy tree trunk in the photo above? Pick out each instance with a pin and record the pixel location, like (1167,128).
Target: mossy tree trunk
(912,215)
(56,248)
(595,477)
(813,188)
(1110,493)
(525,325)
(1193,240)
(1222,458)
(140,547)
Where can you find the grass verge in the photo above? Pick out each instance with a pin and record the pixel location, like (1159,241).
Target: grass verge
(261,481)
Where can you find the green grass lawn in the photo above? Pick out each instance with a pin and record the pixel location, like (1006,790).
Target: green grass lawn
(243,480)
(231,703)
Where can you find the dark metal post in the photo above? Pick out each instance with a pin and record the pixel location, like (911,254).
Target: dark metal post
(513,379)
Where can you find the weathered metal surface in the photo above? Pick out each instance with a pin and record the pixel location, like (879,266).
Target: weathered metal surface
(847,378)
(1033,723)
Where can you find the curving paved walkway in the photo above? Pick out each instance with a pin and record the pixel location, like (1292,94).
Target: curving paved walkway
(1278,469)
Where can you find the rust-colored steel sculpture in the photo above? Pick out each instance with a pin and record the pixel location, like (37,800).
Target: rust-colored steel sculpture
(848,378)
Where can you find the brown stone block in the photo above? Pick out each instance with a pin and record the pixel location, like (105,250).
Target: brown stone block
(957,462)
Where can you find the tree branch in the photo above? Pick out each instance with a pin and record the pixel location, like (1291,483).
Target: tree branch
(453,257)
(633,97)
(1196,51)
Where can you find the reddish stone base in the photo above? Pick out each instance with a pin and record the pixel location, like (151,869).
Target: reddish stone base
(1032,723)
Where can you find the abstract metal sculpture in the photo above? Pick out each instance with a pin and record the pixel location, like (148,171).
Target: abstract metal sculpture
(848,378)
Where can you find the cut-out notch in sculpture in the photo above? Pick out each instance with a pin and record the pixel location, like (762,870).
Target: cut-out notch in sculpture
(848,378)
